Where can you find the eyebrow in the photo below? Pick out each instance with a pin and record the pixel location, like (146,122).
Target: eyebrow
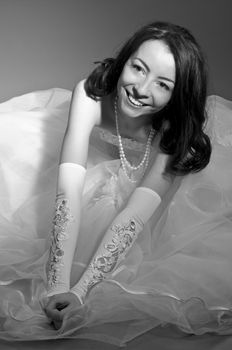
(146,66)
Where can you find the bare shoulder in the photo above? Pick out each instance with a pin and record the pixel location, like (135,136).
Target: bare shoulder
(79,89)
(84,114)
(84,107)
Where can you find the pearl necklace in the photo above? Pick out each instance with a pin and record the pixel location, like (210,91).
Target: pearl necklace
(125,163)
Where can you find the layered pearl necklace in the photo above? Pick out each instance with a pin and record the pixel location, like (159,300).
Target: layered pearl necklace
(126,165)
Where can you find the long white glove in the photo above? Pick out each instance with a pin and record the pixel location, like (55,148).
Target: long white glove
(118,239)
(65,227)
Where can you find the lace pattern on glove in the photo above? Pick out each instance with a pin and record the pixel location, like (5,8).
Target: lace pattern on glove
(123,237)
(59,234)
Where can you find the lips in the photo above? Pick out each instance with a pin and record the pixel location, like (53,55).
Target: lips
(136,103)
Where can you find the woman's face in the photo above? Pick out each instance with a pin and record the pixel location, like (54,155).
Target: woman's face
(147,81)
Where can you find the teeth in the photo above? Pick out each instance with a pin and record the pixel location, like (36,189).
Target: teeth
(134,101)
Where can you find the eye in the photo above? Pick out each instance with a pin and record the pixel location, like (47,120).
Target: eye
(138,68)
(164,86)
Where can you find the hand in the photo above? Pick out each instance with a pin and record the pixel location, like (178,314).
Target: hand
(59,305)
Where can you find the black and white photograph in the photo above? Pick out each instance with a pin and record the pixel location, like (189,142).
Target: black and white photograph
(115,175)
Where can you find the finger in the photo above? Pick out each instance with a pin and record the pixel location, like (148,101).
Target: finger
(51,304)
(61,306)
(67,309)
(57,324)
(56,304)
(54,314)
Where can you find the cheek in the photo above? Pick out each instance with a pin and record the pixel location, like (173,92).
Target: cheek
(127,77)
(120,82)
(162,99)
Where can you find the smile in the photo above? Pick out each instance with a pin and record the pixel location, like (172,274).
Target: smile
(133,101)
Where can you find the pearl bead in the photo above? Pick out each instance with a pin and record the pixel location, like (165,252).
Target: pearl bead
(125,163)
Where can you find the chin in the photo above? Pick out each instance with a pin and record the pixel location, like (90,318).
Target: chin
(126,108)
(129,111)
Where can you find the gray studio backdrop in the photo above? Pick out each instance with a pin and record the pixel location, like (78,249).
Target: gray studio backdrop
(53,43)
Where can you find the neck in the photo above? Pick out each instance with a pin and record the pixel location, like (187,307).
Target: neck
(126,165)
(135,128)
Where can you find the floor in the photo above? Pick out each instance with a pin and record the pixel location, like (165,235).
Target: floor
(150,341)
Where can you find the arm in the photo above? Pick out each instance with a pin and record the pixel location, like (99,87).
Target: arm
(84,114)
(126,227)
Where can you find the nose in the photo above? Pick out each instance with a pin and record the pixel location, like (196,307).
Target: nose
(141,89)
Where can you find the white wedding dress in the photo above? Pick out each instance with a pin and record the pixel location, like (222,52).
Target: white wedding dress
(178,271)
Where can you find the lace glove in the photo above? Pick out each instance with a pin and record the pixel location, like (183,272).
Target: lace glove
(118,239)
(65,227)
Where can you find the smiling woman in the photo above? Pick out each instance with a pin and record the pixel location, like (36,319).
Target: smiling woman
(147,80)
(163,68)
(141,231)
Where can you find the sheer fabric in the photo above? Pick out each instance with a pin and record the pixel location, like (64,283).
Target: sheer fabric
(178,270)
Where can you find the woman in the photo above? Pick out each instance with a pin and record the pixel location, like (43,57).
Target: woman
(130,233)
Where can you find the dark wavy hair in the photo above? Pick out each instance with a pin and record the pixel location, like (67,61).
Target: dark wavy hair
(181,122)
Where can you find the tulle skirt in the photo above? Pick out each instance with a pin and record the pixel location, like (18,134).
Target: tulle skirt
(178,272)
